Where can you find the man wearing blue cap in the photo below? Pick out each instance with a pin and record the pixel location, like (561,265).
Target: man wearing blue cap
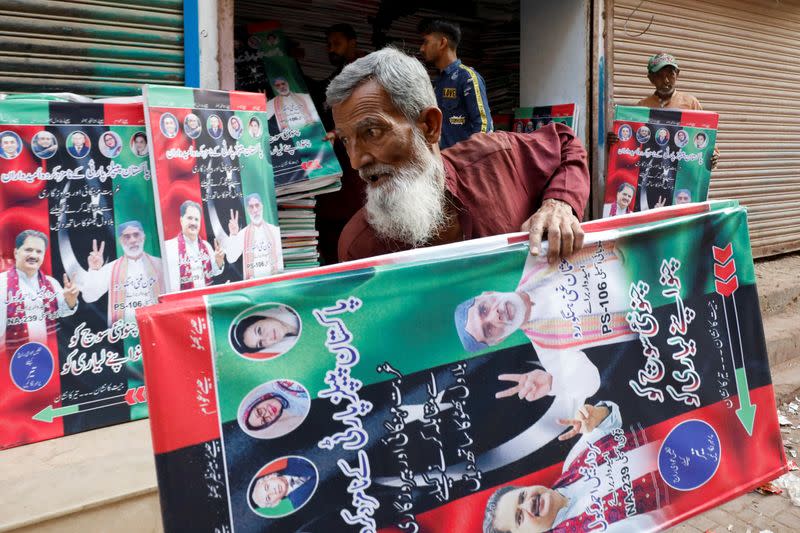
(663,71)
(132,281)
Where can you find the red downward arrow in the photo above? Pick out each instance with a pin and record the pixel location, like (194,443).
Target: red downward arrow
(129,396)
(721,255)
(728,287)
(724,272)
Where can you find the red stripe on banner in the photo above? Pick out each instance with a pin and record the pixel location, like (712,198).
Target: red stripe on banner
(22,208)
(263,26)
(124,114)
(699,119)
(176,181)
(745,463)
(562,110)
(242,101)
(179,374)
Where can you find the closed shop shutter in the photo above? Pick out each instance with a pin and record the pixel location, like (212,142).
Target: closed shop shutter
(90,47)
(741,59)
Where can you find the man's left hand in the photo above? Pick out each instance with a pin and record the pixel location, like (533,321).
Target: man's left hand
(219,253)
(586,419)
(564,233)
(71,292)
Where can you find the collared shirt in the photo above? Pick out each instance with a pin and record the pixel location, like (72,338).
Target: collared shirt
(678,100)
(31,293)
(140,286)
(266,243)
(525,170)
(461,95)
(195,258)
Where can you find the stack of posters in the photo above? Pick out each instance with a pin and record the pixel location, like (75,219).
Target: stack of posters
(217,216)
(298,234)
(302,161)
(472,386)
(528,119)
(79,252)
(663,157)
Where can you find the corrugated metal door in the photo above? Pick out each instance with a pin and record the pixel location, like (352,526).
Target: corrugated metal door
(742,60)
(90,47)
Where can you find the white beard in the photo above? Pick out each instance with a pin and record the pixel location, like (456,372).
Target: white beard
(408,205)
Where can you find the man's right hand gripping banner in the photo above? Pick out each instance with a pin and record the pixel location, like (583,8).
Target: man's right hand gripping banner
(625,388)
(663,157)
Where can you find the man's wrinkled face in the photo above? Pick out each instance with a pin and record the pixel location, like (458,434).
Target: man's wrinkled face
(430,47)
(683,197)
(256,210)
(132,240)
(190,222)
(264,333)
(496,315)
(526,510)
(78,141)
(404,173)
(10,145)
(29,256)
(214,122)
(265,413)
(340,48)
(269,490)
(664,80)
(193,122)
(282,87)
(624,197)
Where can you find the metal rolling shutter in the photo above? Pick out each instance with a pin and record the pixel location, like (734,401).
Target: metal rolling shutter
(742,60)
(91,47)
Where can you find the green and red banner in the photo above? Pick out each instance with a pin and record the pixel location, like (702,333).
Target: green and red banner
(472,387)
(217,215)
(528,119)
(663,157)
(79,252)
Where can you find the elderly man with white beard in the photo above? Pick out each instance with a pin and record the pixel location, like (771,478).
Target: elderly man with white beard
(132,281)
(260,242)
(386,116)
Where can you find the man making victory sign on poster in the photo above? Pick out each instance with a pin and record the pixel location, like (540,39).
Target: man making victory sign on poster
(259,242)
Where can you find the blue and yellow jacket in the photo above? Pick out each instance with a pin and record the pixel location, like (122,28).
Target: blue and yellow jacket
(461,95)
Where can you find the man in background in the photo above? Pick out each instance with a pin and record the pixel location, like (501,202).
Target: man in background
(460,90)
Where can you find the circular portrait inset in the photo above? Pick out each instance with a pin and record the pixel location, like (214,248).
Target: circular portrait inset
(529,127)
(643,134)
(10,145)
(139,143)
(662,136)
(700,140)
(235,127)
(78,144)
(110,144)
(539,124)
(625,132)
(192,126)
(214,126)
(266,331)
(681,138)
(254,42)
(44,145)
(168,125)
(274,409)
(282,486)
(254,127)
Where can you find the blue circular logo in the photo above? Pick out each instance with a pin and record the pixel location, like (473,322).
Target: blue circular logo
(31,367)
(690,455)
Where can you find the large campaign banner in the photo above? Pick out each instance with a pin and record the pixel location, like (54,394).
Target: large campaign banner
(79,253)
(620,389)
(217,216)
(528,119)
(663,157)
(301,159)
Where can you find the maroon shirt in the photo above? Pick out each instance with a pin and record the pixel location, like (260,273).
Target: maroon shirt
(500,179)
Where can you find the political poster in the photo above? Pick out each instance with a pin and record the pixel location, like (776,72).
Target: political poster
(622,388)
(663,157)
(79,253)
(217,215)
(302,160)
(528,119)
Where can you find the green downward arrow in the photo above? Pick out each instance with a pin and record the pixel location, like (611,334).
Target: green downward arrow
(746,411)
(49,413)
